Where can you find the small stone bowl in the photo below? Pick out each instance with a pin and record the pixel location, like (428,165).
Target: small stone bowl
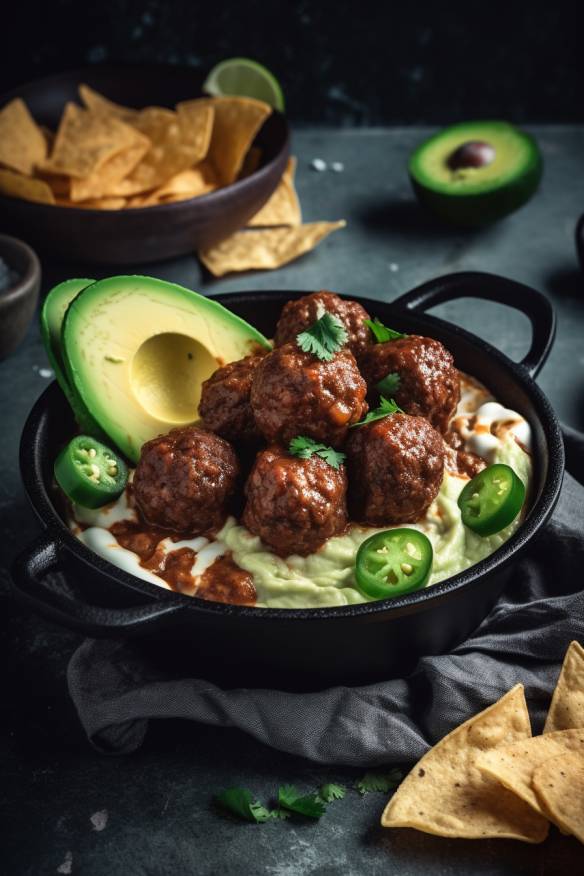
(18,303)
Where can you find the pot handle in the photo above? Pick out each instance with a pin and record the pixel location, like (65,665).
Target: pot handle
(489,287)
(32,588)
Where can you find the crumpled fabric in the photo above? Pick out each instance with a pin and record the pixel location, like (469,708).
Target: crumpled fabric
(117,690)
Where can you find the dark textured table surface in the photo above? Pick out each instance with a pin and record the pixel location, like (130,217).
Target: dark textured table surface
(56,792)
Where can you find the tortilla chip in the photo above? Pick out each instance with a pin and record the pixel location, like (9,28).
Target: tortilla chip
(197,119)
(283,207)
(184,185)
(567,707)
(85,141)
(237,121)
(49,138)
(97,103)
(175,146)
(251,162)
(514,765)
(265,249)
(25,187)
(447,795)
(101,182)
(59,184)
(559,785)
(22,143)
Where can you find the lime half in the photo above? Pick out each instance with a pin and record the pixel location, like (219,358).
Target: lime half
(244,78)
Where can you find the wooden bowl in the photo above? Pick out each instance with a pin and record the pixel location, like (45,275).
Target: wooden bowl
(147,234)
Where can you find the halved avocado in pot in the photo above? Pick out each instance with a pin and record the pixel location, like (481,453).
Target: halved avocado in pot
(474,173)
(137,350)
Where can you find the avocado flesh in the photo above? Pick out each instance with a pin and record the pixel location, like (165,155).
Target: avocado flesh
(476,195)
(137,350)
(52,315)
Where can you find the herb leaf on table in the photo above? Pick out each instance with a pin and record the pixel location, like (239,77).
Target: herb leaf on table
(309,805)
(379,781)
(330,792)
(240,802)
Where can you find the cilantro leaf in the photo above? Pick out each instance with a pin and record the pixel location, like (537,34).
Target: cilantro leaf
(381,332)
(304,447)
(389,385)
(331,792)
(385,782)
(239,801)
(323,338)
(309,805)
(385,408)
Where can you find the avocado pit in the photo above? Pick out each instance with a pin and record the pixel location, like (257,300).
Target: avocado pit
(473,153)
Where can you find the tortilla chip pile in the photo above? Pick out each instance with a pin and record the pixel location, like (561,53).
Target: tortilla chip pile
(491,778)
(110,157)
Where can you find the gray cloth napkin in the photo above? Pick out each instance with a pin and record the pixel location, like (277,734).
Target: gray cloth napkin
(116,691)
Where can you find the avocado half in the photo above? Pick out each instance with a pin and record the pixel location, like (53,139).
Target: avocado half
(52,315)
(137,350)
(476,195)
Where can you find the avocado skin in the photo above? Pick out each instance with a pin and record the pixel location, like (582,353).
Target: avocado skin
(68,291)
(482,208)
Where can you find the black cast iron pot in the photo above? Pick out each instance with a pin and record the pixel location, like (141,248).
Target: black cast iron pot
(308,648)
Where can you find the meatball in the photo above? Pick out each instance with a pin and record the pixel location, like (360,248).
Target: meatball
(429,383)
(294,393)
(224,405)
(294,504)
(395,468)
(303,312)
(184,480)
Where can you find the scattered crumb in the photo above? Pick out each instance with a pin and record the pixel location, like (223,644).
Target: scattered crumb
(45,372)
(337,166)
(67,865)
(99,820)
(393,267)
(318,164)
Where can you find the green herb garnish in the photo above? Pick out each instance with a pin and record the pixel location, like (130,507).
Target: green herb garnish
(324,338)
(309,805)
(389,385)
(381,332)
(304,447)
(385,408)
(331,792)
(384,782)
(240,802)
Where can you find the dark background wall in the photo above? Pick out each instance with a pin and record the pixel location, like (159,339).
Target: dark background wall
(340,62)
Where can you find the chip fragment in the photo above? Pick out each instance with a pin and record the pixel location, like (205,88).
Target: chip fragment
(29,189)
(237,121)
(283,207)
(22,142)
(567,706)
(559,786)
(514,765)
(447,795)
(266,248)
(85,141)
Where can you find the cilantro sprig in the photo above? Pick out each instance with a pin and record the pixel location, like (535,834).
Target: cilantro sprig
(389,385)
(330,792)
(386,407)
(384,782)
(323,338)
(309,805)
(239,801)
(304,447)
(381,332)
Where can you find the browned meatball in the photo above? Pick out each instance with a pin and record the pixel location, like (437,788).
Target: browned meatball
(298,315)
(294,393)
(395,468)
(224,405)
(294,504)
(429,383)
(185,479)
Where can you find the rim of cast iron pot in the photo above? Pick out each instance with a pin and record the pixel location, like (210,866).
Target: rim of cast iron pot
(537,516)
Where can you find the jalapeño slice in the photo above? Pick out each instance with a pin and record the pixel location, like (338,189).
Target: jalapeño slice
(89,473)
(393,562)
(492,499)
